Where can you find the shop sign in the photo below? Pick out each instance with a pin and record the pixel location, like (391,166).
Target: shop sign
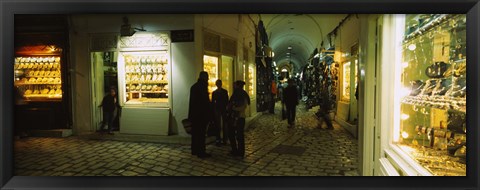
(182,35)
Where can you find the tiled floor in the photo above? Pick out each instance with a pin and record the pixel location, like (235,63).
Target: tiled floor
(304,151)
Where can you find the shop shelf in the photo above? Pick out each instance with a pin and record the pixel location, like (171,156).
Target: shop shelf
(440,102)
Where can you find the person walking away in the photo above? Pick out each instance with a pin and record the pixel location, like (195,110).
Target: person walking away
(274,96)
(290,98)
(109,107)
(324,110)
(200,114)
(237,105)
(220,101)
(280,97)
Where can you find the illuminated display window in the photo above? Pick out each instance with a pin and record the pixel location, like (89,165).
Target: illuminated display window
(251,80)
(146,77)
(346,81)
(38,78)
(210,65)
(430,121)
(227,74)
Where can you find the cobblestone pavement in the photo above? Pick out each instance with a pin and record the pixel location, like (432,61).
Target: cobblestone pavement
(305,151)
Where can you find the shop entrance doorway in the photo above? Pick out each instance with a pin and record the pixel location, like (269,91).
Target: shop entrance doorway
(104,77)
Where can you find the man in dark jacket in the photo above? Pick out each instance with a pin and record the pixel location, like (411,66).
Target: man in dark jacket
(290,98)
(109,107)
(220,100)
(200,114)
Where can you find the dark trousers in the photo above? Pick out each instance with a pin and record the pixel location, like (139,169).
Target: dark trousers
(291,111)
(326,118)
(199,130)
(221,126)
(107,120)
(237,138)
(272,105)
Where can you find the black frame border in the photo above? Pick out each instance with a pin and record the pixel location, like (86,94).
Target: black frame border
(10,7)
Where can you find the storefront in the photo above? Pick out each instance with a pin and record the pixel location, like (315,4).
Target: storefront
(153,69)
(218,60)
(424,79)
(144,77)
(347,114)
(41,78)
(153,61)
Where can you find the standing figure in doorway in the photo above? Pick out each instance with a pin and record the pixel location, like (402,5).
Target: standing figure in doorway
(236,107)
(220,101)
(109,106)
(290,97)
(200,114)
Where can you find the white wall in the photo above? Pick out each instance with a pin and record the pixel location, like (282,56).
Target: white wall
(225,24)
(80,72)
(183,78)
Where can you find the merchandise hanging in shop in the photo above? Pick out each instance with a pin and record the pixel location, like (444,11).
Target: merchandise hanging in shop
(264,70)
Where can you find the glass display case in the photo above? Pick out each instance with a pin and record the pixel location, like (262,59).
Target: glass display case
(38,78)
(227,74)
(251,81)
(210,65)
(346,81)
(432,86)
(145,83)
(146,77)
(347,76)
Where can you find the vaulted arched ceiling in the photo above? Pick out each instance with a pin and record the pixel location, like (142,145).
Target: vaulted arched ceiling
(302,32)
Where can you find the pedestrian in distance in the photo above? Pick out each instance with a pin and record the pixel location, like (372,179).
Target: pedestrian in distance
(273,97)
(236,110)
(110,108)
(290,98)
(220,101)
(200,113)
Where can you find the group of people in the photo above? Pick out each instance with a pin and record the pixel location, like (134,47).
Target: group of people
(227,115)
